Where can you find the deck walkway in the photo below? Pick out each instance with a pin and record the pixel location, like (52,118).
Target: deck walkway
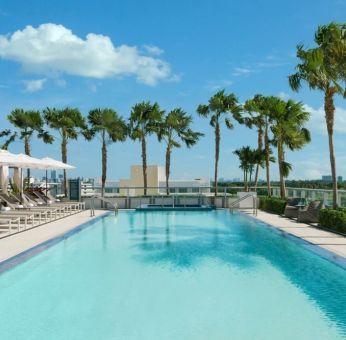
(333,243)
(20,242)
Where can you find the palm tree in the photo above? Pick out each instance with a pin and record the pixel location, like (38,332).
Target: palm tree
(69,122)
(10,138)
(322,68)
(220,108)
(289,131)
(110,128)
(256,109)
(174,129)
(248,159)
(144,120)
(29,123)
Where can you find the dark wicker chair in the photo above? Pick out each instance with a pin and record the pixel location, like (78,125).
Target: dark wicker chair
(291,210)
(310,215)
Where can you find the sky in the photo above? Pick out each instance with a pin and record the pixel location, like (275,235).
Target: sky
(108,53)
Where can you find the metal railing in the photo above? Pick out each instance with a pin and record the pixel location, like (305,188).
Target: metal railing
(236,204)
(102,199)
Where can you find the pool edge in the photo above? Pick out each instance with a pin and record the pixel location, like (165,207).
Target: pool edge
(314,248)
(13,261)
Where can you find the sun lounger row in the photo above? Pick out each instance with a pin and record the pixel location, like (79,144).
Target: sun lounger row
(21,213)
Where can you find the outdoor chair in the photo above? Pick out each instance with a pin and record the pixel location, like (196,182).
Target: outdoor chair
(291,209)
(310,215)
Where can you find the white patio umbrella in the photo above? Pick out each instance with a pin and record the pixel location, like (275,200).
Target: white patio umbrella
(8,159)
(17,177)
(54,164)
(20,161)
(4,178)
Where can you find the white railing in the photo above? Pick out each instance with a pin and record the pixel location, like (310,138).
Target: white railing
(313,194)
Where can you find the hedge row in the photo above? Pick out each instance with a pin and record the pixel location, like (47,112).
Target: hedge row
(334,219)
(272,204)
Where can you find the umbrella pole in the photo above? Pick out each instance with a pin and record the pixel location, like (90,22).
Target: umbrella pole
(21,185)
(46,187)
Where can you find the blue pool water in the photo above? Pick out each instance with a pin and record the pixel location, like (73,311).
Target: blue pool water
(174,275)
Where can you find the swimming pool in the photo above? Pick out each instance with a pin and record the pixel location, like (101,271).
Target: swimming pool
(174,275)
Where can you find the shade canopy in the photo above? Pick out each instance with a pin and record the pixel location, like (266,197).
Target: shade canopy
(24,161)
(54,164)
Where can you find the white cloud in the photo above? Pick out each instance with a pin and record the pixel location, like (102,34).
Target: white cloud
(52,49)
(153,50)
(317,122)
(242,71)
(34,85)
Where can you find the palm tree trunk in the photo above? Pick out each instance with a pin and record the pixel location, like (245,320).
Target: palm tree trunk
(27,152)
(168,165)
(244,179)
(259,148)
(104,165)
(329,109)
(250,177)
(282,179)
(144,165)
(217,154)
(64,160)
(267,151)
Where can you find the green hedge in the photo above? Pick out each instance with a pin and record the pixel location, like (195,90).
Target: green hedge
(272,204)
(334,219)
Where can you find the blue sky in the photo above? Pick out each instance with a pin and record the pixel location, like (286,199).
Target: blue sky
(117,53)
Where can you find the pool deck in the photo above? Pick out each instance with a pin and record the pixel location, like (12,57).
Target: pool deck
(18,243)
(333,243)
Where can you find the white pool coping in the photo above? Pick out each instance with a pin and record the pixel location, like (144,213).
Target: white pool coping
(327,244)
(16,244)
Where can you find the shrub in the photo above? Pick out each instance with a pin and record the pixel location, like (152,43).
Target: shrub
(272,204)
(334,219)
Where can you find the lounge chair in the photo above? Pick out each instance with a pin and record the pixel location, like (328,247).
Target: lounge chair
(32,204)
(38,200)
(310,215)
(16,206)
(7,223)
(26,219)
(48,198)
(291,209)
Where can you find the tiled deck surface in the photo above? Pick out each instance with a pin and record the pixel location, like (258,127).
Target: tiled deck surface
(332,242)
(17,243)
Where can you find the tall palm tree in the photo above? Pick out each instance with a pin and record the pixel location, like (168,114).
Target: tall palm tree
(69,122)
(143,121)
(289,131)
(322,68)
(10,138)
(221,108)
(109,127)
(28,124)
(257,117)
(174,129)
